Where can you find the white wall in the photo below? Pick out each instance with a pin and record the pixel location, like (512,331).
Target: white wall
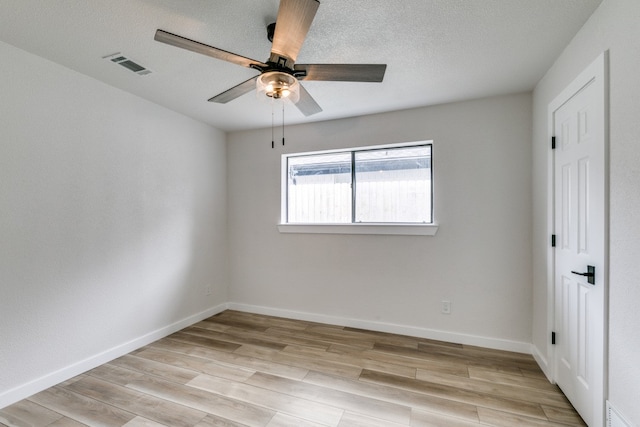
(614,27)
(112,222)
(480,258)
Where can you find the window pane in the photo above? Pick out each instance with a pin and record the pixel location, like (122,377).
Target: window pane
(393,185)
(319,188)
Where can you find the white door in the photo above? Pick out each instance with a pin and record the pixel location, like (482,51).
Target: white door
(580,253)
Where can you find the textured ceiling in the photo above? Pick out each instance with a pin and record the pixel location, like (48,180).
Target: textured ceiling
(437,50)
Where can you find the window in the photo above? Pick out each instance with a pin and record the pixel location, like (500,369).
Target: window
(319,188)
(386,185)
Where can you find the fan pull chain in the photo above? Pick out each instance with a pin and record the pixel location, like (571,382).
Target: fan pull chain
(272,138)
(283,123)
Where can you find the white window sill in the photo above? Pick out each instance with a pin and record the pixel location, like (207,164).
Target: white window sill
(394,229)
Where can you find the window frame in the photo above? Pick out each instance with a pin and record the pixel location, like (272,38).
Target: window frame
(394,228)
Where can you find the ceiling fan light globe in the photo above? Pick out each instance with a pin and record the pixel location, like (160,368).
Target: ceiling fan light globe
(278,85)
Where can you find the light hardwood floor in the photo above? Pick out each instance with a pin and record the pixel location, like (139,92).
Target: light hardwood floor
(239,369)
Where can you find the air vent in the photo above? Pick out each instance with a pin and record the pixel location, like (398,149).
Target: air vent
(120,59)
(614,419)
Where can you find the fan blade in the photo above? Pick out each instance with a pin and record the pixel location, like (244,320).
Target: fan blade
(236,91)
(214,52)
(292,25)
(342,72)
(306,104)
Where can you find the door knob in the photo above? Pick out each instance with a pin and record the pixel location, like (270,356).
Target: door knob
(590,274)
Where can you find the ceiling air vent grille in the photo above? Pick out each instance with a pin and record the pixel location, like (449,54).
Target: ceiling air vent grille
(127,63)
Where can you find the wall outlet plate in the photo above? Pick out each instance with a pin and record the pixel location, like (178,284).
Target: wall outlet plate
(446,307)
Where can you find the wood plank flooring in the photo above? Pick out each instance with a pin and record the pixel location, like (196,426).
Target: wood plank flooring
(238,369)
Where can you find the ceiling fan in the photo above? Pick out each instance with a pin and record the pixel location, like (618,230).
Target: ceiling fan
(279,75)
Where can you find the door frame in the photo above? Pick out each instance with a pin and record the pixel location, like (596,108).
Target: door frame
(598,70)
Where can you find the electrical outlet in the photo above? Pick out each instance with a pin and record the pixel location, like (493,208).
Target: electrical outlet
(446,307)
(208,290)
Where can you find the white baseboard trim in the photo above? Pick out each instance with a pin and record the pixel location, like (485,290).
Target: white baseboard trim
(23,391)
(453,337)
(542,362)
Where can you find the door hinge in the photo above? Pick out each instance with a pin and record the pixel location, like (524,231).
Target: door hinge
(553,240)
(553,142)
(553,338)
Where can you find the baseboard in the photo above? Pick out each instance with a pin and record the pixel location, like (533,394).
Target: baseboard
(487,342)
(21,392)
(542,362)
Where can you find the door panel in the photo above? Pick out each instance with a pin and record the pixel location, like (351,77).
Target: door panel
(583,206)
(565,207)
